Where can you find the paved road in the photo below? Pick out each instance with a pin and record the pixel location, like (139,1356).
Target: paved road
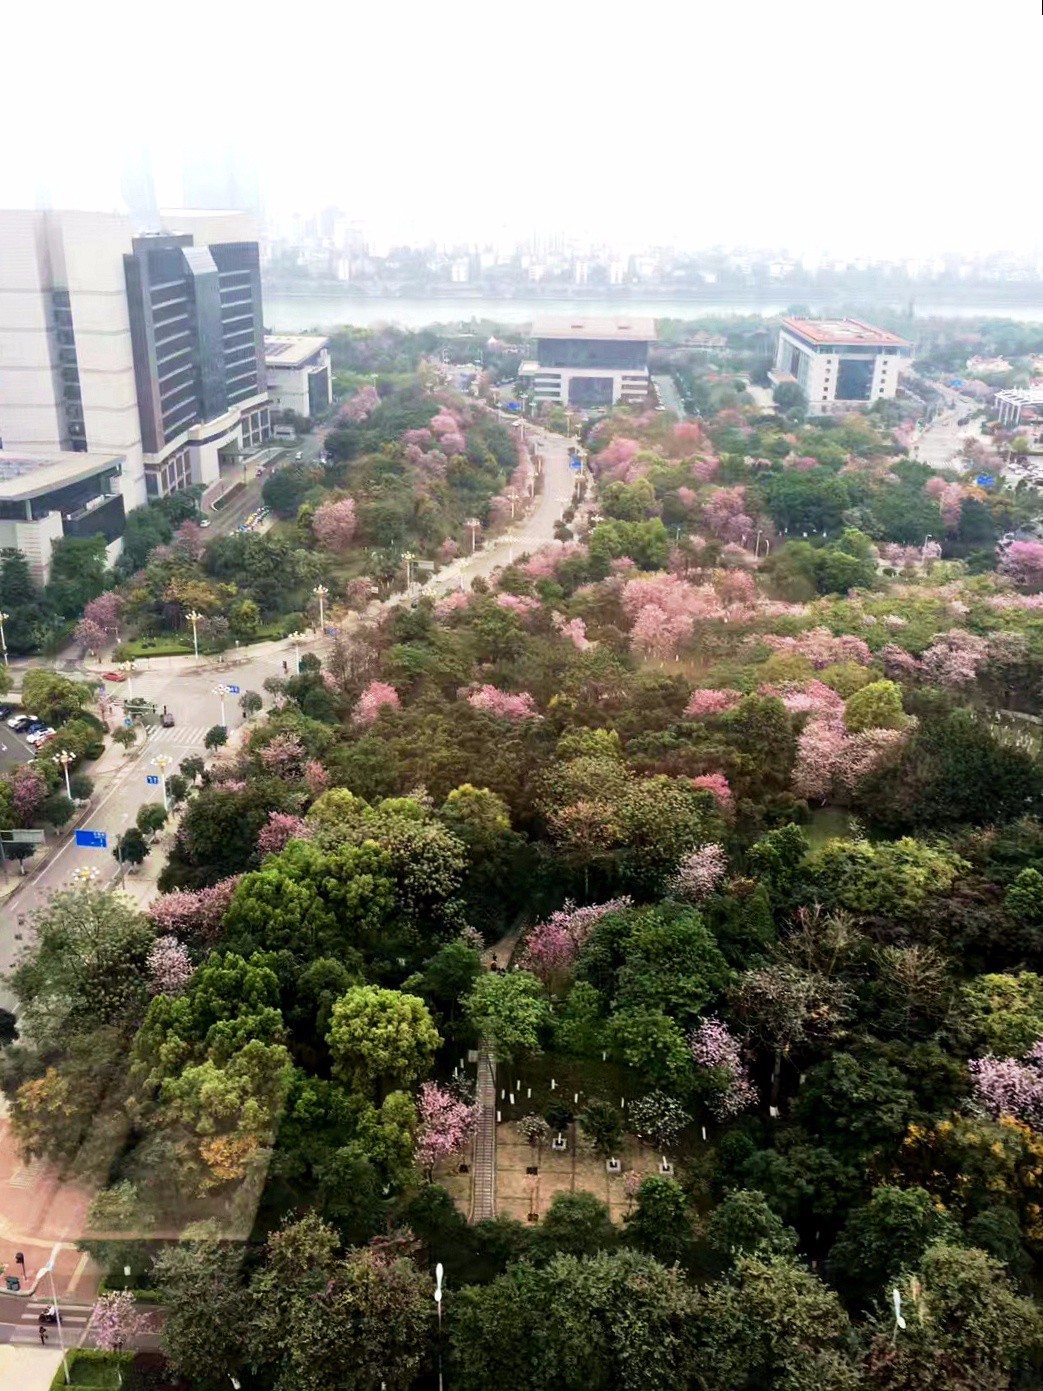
(20,1324)
(940,442)
(669,396)
(188,690)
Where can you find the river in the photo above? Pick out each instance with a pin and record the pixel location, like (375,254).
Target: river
(294,313)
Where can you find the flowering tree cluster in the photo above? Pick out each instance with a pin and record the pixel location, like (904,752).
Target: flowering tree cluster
(706,700)
(447,1124)
(806,697)
(1007,1087)
(615,462)
(452,603)
(316,779)
(542,564)
(716,1052)
(574,630)
(376,696)
(100,622)
(505,704)
(725,515)
(521,604)
(28,792)
(699,873)
(195,915)
(115,1321)
(716,784)
(335,524)
(828,755)
(361,405)
(954,658)
(280,828)
(551,947)
(821,648)
(283,756)
(169,966)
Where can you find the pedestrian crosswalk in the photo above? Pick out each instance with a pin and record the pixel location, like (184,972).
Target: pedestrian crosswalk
(182,736)
(22,1317)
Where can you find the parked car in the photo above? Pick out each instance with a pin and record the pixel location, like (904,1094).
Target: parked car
(114,676)
(20,722)
(204,521)
(5,711)
(167,719)
(36,737)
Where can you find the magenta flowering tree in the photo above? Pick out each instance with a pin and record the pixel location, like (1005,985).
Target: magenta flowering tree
(1022,561)
(658,634)
(195,915)
(807,698)
(377,696)
(115,1321)
(725,515)
(316,779)
(28,792)
(106,610)
(505,704)
(820,754)
(444,423)
(283,756)
(550,948)
(421,438)
(899,665)
(447,1124)
(361,405)
(1007,1087)
(448,550)
(616,458)
(717,1055)
(279,830)
(717,784)
(699,873)
(574,630)
(821,648)
(90,636)
(169,966)
(334,525)
(521,604)
(453,442)
(706,700)
(955,658)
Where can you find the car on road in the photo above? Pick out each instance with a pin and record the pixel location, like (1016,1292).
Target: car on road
(298,457)
(167,719)
(114,676)
(204,521)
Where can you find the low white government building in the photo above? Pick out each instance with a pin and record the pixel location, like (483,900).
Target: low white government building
(587,362)
(839,364)
(299,374)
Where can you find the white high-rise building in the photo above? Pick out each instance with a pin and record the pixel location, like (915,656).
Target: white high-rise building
(839,364)
(66,357)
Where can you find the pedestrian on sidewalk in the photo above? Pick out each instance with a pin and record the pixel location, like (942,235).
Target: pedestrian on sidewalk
(43,1336)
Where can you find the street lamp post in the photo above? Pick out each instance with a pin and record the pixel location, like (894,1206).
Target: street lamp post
(3,640)
(86,875)
(296,638)
(194,618)
(408,557)
(221,692)
(512,497)
(473,525)
(128,667)
(322,594)
(438,1305)
(48,1270)
(64,758)
(162,762)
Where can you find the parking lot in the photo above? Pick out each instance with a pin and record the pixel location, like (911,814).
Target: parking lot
(15,746)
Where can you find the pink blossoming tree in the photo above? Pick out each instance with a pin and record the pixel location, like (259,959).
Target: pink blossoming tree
(195,915)
(377,696)
(115,1321)
(283,756)
(1007,1087)
(699,873)
(334,525)
(717,1055)
(447,1124)
(169,966)
(279,830)
(505,704)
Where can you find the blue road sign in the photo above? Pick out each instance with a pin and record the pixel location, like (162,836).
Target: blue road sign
(233,690)
(576,465)
(152,779)
(127,721)
(985,480)
(92,840)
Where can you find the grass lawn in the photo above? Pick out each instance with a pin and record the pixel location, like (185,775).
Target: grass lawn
(99,1371)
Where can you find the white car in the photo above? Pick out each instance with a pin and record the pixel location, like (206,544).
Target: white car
(204,521)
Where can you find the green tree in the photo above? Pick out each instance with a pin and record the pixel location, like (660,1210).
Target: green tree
(887,1236)
(215,737)
(131,847)
(206,1329)
(577,1224)
(510,1011)
(380,1039)
(744,1224)
(52,697)
(151,818)
(602,1124)
(1006,1011)
(661,1223)
(250,703)
(876,706)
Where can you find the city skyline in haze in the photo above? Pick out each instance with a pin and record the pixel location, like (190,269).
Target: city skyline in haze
(713,127)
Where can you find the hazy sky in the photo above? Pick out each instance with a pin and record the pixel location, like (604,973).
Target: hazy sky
(905,127)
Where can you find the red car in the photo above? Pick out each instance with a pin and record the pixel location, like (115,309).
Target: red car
(114,676)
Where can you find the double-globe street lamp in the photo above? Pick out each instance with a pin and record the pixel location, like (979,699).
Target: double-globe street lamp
(3,639)
(194,618)
(322,594)
(63,758)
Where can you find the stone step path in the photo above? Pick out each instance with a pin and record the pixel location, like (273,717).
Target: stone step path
(483,1189)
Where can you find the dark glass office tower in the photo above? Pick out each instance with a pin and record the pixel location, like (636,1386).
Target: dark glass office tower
(196,329)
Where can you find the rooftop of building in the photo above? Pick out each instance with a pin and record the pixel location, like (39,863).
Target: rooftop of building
(292,349)
(621,328)
(845,333)
(25,475)
(1031,395)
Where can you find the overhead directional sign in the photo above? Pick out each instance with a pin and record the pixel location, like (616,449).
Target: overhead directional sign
(152,779)
(233,690)
(92,840)
(21,837)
